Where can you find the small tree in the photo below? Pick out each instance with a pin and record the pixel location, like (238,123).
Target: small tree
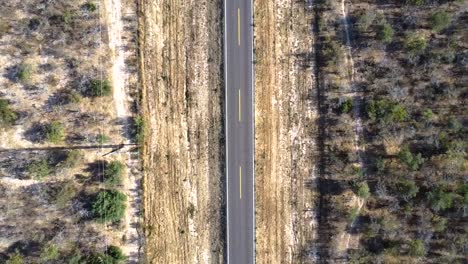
(415,44)
(417,248)
(38,169)
(440,200)
(440,20)
(407,189)
(385,33)
(109,206)
(116,254)
(99,88)
(139,129)
(362,190)
(7,115)
(113,173)
(25,71)
(346,106)
(15,258)
(50,252)
(74,157)
(412,161)
(54,132)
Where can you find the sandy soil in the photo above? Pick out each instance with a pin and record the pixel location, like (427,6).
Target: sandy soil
(285,116)
(120,80)
(182,101)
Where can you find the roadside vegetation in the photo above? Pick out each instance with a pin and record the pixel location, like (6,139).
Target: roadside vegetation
(58,204)
(410,71)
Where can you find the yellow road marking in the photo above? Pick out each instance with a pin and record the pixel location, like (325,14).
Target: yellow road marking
(238,26)
(240,182)
(240,106)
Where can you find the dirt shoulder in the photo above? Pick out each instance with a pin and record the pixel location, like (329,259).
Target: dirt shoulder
(180,59)
(285,133)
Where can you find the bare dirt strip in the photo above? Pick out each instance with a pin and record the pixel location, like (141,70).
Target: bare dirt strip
(180,59)
(285,133)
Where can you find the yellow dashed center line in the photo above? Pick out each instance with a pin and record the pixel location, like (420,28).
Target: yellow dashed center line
(238,26)
(240,182)
(240,106)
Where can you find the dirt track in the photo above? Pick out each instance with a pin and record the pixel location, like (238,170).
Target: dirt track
(182,90)
(285,133)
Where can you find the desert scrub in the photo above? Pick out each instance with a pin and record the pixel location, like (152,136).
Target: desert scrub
(385,33)
(108,206)
(101,139)
(25,72)
(54,132)
(74,157)
(49,253)
(38,169)
(139,129)
(440,20)
(7,115)
(415,44)
(98,88)
(66,194)
(113,173)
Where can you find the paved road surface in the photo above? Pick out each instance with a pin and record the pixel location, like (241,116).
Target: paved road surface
(239,131)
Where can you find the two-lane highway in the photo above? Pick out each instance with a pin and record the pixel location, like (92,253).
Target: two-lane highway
(238,61)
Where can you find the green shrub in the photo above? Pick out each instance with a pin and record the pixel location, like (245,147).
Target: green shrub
(65,195)
(386,110)
(463,192)
(439,223)
(25,72)
(440,20)
(415,44)
(427,115)
(412,161)
(15,258)
(353,214)
(76,258)
(99,258)
(407,189)
(99,88)
(454,124)
(440,200)
(362,190)
(72,96)
(116,254)
(7,115)
(417,248)
(101,139)
(346,106)
(90,6)
(54,132)
(416,2)
(109,206)
(139,129)
(50,252)
(68,16)
(365,21)
(38,169)
(74,157)
(113,173)
(385,33)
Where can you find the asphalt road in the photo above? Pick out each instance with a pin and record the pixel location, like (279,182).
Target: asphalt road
(238,58)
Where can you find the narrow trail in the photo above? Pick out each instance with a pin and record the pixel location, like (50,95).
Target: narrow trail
(132,244)
(357,101)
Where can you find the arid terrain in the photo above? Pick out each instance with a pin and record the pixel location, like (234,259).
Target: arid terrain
(182,95)
(58,120)
(286,156)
